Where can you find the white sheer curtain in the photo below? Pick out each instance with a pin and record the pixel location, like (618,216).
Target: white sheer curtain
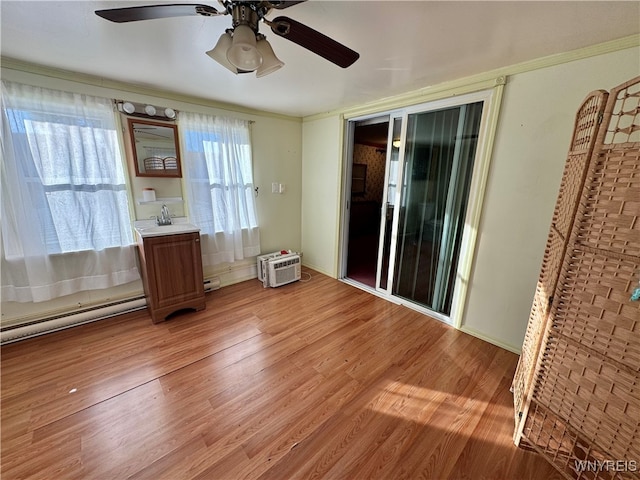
(217,163)
(65,216)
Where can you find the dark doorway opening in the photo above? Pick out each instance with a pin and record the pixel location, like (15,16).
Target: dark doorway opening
(367,188)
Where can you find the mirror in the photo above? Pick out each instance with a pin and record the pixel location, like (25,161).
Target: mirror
(155,148)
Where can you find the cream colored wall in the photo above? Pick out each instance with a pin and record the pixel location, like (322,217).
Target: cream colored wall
(321,185)
(277,151)
(277,157)
(535,123)
(534,130)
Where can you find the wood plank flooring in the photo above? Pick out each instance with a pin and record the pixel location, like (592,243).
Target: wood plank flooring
(315,379)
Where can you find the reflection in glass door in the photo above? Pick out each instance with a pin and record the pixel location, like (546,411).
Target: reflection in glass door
(436,172)
(389,201)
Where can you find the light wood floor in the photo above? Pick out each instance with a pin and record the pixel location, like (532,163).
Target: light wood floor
(310,380)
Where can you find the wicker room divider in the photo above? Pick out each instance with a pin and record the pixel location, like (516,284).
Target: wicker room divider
(577,385)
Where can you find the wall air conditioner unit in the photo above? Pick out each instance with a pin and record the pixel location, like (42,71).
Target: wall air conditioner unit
(282,270)
(263,260)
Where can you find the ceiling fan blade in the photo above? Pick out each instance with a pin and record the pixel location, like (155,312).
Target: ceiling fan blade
(314,41)
(280,5)
(149,12)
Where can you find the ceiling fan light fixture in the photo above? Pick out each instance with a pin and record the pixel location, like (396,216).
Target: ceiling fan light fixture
(242,49)
(270,63)
(219,52)
(243,53)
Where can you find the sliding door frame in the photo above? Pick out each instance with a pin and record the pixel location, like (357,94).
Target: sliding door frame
(491,99)
(393,117)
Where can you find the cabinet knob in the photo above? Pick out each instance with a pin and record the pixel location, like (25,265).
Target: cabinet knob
(197,240)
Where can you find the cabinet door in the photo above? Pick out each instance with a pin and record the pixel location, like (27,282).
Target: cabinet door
(177,268)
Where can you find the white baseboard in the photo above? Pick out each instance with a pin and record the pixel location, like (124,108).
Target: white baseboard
(491,340)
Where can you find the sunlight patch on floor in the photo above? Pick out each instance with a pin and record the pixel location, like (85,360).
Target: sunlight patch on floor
(417,404)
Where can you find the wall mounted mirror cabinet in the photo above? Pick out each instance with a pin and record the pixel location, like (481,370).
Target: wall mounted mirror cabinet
(155,148)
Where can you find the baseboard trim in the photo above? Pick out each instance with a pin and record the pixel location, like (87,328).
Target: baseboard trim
(491,340)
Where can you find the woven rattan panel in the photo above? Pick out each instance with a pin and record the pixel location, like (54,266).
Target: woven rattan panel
(594,396)
(613,202)
(541,301)
(582,143)
(594,307)
(570,189)
(624,124)
(550,435)
(583,404)
(585,132)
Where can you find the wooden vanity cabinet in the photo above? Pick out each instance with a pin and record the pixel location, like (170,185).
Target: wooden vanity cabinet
(171,267)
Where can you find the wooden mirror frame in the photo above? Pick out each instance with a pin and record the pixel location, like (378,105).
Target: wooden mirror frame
(159,166)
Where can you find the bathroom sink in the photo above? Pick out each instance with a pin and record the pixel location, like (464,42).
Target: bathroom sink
(172,229)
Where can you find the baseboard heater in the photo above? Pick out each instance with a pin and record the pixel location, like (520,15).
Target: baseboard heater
(93,314)
(60,322)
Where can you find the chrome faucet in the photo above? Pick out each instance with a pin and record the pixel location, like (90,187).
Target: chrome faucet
(165,217)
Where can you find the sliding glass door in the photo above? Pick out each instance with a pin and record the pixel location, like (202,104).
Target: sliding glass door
(438,162)
(430,164)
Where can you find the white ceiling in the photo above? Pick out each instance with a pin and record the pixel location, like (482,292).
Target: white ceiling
(403,46)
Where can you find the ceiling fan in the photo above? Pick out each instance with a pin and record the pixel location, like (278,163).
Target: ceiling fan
(242,48)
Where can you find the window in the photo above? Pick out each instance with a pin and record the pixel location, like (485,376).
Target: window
(72,169)
(217,162)
(63,192)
